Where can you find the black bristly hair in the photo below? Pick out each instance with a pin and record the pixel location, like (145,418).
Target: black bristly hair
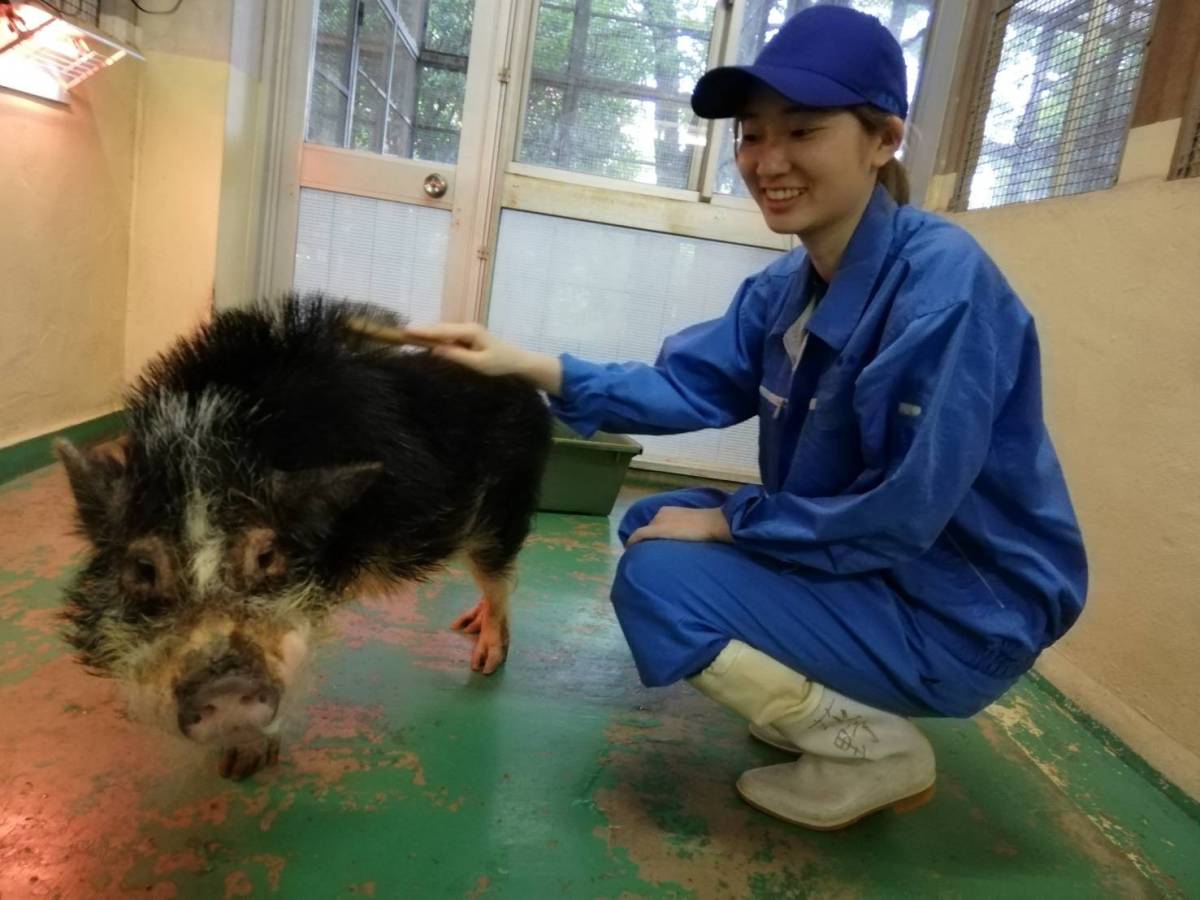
(459,454)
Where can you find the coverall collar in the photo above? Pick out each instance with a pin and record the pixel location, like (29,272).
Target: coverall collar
(854,281)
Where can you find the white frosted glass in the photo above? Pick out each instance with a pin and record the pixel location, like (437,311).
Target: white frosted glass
(375,251)
(609,294)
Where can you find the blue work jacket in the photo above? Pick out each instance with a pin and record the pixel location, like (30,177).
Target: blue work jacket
(902,435)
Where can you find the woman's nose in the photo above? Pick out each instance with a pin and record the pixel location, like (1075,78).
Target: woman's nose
(772,159)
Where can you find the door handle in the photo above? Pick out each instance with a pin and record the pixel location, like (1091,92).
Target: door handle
(435,185)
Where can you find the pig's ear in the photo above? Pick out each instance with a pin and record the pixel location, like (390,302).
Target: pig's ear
(312,499)
(98,482)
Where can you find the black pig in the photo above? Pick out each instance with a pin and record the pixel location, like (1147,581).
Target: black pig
(273,463)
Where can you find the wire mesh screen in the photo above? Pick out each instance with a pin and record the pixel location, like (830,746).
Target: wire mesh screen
(908,20)
(86,11)
(1052,114)
(611,86)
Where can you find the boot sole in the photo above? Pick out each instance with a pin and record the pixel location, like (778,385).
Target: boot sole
(901,806)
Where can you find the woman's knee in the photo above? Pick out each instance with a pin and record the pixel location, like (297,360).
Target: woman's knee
(640,572)
(639,514)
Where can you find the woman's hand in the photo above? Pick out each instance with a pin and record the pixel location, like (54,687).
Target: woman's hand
(680,523)
(477,348)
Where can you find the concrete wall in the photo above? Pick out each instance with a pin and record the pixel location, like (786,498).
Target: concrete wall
(1113,278)
(66,189)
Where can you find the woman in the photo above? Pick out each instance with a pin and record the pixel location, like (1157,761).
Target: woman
(912,547)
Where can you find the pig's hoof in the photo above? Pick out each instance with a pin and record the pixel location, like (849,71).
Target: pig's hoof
(491,645)
(490,648)
(243,760)
(473,619)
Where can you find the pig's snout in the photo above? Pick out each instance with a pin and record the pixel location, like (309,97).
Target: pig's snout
(230,707)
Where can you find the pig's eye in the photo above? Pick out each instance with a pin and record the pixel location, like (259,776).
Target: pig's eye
(145,572)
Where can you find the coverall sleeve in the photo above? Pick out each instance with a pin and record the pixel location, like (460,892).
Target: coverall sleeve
(925,407)
(706,376)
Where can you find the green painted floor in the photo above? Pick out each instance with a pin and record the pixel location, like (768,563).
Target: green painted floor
(408,776)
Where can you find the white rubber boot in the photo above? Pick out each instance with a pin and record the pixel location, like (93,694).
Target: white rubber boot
(856,760)
(770,735)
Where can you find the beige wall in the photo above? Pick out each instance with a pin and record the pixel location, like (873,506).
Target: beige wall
(1113,279)
(108,238)
(181,139)
(66,183)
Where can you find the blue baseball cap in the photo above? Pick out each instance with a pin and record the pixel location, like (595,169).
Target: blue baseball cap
(824,56)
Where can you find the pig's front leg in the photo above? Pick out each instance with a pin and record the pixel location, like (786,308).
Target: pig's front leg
(243,760)
(489,620)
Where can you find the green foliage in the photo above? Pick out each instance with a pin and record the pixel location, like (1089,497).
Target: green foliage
(610,80)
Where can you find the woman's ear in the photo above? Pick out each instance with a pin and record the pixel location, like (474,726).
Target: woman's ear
(886,142)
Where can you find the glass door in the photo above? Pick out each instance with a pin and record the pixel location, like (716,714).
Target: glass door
(380,204)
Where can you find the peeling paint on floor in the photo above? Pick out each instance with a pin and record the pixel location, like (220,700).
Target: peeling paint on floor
(405,774)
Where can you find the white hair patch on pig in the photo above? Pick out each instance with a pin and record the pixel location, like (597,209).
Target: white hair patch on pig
(207,545)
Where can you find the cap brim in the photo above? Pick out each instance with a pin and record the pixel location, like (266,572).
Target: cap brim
(721,93)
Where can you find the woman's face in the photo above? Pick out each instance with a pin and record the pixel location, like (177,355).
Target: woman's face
(808,169)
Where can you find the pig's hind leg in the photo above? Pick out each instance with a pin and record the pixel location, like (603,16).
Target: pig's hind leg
(503,521)
(487,619)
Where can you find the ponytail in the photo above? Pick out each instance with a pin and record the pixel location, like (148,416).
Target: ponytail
(893,176)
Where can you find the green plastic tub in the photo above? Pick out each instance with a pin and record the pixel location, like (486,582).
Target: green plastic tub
(583,475)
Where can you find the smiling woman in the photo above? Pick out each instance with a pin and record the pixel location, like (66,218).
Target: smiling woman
(875,573)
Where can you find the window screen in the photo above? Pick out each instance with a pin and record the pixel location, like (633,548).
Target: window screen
(1053,109)
(908,20)
(610,89)
(390,77)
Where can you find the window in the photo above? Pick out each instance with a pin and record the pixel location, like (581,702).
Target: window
(1054,104)
(908,20)
(389,77)
(610,87)
(612,80)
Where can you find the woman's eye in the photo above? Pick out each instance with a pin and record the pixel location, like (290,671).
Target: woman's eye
(801,132)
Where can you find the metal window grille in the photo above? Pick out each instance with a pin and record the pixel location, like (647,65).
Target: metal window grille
(610,89)
(1187,158)
(1053,108)
(389,76)
(85,11)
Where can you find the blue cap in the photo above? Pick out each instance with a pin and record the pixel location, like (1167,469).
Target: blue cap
(823,56)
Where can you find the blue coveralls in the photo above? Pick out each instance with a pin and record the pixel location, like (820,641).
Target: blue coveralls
(912,545)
